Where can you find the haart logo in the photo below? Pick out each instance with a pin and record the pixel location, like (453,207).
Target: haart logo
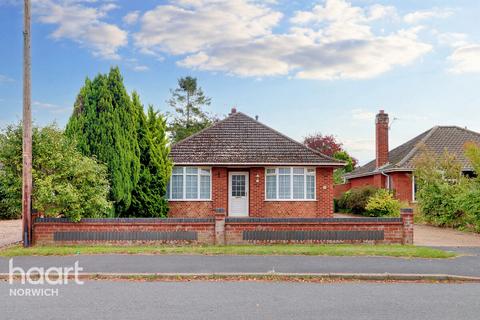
(52,276)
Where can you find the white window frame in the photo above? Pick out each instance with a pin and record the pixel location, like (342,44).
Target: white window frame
(199,175)
(305,174)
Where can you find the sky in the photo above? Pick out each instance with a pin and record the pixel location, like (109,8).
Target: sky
(301,66)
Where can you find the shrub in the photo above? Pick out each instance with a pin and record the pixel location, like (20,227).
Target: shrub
(355,200)
(382,203)
(66,183)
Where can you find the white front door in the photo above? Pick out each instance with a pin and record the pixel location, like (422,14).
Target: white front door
(238,194)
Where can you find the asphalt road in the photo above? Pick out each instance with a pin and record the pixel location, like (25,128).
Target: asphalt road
(246,300)
(467,265)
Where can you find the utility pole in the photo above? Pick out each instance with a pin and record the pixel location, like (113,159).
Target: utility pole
(27,131)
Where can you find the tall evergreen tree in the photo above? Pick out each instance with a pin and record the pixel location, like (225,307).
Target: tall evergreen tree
(103,124)
(148,197)
(187,100)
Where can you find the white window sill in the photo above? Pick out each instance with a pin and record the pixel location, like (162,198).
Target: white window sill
(189,200)
(290,200)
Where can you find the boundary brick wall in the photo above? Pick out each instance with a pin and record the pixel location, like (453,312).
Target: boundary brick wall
(224,230)
(47,231)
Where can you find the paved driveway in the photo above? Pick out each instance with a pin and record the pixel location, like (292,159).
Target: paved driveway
(10,232)
(443,237)
(424,235)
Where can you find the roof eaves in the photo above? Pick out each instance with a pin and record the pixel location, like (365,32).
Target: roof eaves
(316,164)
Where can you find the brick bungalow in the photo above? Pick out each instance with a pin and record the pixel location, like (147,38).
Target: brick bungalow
(243,168)
(394,169)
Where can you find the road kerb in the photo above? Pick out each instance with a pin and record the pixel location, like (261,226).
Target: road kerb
(269,275)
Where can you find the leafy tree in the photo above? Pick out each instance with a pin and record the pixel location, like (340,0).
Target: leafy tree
(104,125)
(187,101)
(149,195)
(349,167)
(66,183)
(326,144)
(329,146)
(440,186)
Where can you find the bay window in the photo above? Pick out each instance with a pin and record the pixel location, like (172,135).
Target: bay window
(290,183)
(190,183)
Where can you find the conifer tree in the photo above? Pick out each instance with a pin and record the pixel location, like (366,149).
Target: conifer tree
(103,124)
(188,100)
(148,197)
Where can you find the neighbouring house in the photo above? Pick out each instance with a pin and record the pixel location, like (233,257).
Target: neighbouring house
(243,168)
(394,169)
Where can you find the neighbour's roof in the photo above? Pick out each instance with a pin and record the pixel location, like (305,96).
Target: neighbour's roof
(242,140)
(436,140)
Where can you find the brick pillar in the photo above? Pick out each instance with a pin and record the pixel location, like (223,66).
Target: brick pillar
(220,227)
(407,219)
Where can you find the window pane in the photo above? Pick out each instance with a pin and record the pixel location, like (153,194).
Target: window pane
(270,171)
(177,187)
(283,187)
(205,171)
(298,187)
(311,171)
(191,187)
(191,170)
(168,191)
(204,187)
(284,170)
(298,170)
(177,170)
(310,187)
(238,186)
(271,187)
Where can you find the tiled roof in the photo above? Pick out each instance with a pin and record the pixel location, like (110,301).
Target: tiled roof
(437,140)
(239,139)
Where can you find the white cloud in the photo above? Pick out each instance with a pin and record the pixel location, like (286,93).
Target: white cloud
(331,41)
(131,17)
(4,78)
(361,114)
(452,39)
(49,107)
(465,59)
(140,68)
(82,24)
(193,25)
(417,16)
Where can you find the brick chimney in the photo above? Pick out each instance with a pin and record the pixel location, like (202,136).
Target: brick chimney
(233,111)
(381,139)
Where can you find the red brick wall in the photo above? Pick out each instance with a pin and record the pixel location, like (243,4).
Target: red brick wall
(220,231)
(361,182)
(402,185)
(340,189)
(258,207)
(393,231)
(43,232)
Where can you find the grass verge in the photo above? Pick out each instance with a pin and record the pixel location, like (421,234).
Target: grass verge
(289,249)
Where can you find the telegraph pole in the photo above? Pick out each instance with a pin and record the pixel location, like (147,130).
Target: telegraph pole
(27,131)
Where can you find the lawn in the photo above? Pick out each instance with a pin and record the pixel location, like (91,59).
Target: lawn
(290,249)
